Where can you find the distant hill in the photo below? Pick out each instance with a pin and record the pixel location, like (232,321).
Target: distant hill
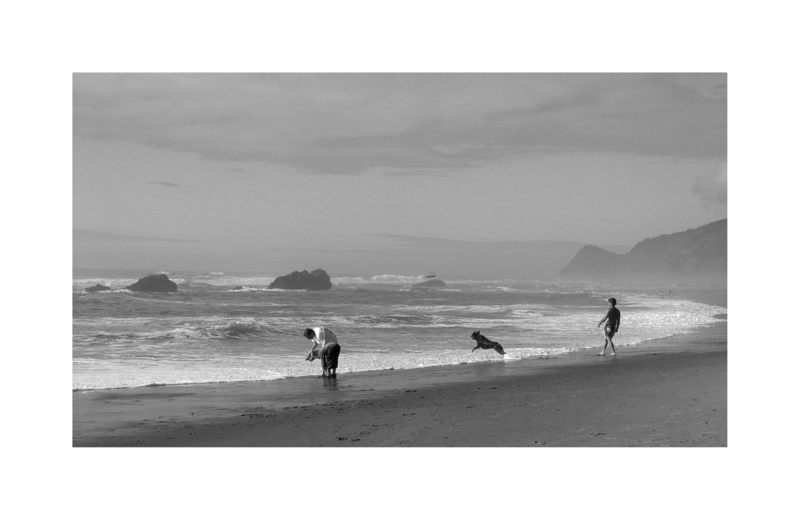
(694,256)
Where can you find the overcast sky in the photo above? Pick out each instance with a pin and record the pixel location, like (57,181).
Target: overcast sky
(268,171)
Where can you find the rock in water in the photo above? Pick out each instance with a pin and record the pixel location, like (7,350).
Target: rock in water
(316,280)
(97,288)
(154,283)
(430,284)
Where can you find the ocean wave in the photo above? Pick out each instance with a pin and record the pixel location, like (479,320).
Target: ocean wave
(80,284)
(83,292)
(125,373)
(246,288)
(225,337)
(129,377)
(388,279)
(236,281)
(230,329)
(431,309)
(235,330)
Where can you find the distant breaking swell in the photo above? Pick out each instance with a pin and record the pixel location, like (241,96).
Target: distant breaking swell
(252,328)
(229,330)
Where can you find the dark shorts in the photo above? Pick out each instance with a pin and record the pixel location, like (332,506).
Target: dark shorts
(611,330)
(330,356)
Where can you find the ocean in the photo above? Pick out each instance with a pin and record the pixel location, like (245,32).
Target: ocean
(230,327)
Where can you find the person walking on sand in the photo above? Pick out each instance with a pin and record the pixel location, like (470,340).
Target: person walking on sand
(614,318)
(325,346)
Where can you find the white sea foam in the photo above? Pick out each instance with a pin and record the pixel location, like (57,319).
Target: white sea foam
(249,281)
(247,288)
(387,279)
(79,284)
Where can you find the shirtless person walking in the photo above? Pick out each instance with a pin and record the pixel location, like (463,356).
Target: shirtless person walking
(614,318)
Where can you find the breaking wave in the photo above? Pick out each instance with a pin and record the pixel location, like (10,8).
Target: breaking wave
(244,331)
(234,329)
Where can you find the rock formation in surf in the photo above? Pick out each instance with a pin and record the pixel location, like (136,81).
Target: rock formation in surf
(154,283)
(430,284)
(316,280)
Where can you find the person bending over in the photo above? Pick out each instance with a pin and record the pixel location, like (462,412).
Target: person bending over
(614,318)
(325,346)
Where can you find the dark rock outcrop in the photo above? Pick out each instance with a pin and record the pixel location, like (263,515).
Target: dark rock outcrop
(97,288)
(692,255)
(430,284)
(316,280)
(154,283)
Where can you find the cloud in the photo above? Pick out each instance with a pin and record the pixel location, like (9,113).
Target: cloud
(86,235)
(411,241)
(167,184)
(353,123)
(712,189)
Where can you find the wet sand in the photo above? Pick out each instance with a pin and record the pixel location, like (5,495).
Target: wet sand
(668,392)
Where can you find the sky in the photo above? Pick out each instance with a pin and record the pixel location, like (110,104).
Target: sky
(378,173)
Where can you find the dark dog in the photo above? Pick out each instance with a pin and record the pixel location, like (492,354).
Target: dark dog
(484,342)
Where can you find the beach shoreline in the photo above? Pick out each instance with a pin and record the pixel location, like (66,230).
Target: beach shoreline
(665,392)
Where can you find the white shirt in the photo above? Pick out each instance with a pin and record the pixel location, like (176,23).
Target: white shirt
(323,337)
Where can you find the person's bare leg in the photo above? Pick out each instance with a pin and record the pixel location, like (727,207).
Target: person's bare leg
(322,356)
(613,352)
(604,347)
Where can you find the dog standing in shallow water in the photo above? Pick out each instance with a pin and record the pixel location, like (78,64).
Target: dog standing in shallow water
(484,342)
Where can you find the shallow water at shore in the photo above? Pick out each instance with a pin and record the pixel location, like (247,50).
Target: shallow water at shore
(213,330)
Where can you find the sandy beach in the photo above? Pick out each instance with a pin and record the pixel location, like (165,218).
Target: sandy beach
(668,392)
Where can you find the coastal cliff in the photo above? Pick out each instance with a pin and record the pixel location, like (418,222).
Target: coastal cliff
(699,254)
